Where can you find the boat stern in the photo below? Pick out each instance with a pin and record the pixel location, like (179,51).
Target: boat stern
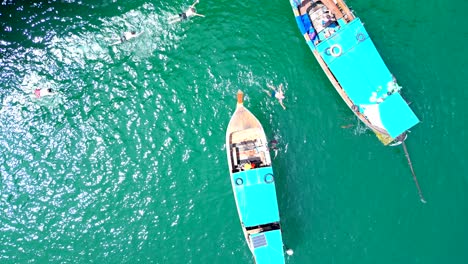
(366,81)
(396,115)
(268,247)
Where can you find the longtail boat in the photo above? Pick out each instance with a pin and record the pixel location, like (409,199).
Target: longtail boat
(349,58)
(253,184)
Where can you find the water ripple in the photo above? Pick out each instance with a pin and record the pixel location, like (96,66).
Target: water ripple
(127,162)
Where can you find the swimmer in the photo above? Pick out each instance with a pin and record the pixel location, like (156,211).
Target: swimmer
(347,126)
(43,92)
(187,14)
(278,94)
(127,36)
(273,146)
(273,143)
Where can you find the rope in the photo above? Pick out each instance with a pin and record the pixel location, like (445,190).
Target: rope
(414,175)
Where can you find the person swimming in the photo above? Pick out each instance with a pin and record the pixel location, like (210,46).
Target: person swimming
(273,144)
(273,147)
(43,92)
(127,36)
(185,15)
(278,94)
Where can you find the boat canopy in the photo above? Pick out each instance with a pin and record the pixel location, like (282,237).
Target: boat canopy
(355,62)
(268,247)
(256,196)
(396,115)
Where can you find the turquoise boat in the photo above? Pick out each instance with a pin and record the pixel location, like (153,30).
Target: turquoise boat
(253,184)
(349,58)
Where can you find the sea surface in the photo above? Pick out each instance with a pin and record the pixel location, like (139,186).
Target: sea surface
(127,164)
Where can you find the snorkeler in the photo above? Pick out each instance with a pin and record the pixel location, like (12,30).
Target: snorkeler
(127,36)
(273,147)
(187,14)
(43,92)
(278,94)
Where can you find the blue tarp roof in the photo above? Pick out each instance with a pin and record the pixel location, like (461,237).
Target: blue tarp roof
(361,72)
(396,115)
(359,69)
(272,251)
(256,199)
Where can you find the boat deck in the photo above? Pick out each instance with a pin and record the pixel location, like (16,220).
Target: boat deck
(249,150)
(256,195)
(268,247)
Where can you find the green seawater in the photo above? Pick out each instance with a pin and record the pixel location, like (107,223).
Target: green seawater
(127,164)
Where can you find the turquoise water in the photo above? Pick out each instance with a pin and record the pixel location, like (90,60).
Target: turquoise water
(126,164)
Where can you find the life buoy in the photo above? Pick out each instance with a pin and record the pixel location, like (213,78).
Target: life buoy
(332,50)
(269,178)
(360,36)
(239,181)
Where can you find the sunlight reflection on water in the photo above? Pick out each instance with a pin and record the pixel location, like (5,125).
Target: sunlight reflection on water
(123,159)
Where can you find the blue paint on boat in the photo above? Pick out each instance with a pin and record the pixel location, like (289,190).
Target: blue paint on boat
(360,71)
(270,247)
(364,76)
(256,197)
(253,184)
(395,105)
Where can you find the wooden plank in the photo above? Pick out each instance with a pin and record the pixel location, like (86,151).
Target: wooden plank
(333,8)
(349,16)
